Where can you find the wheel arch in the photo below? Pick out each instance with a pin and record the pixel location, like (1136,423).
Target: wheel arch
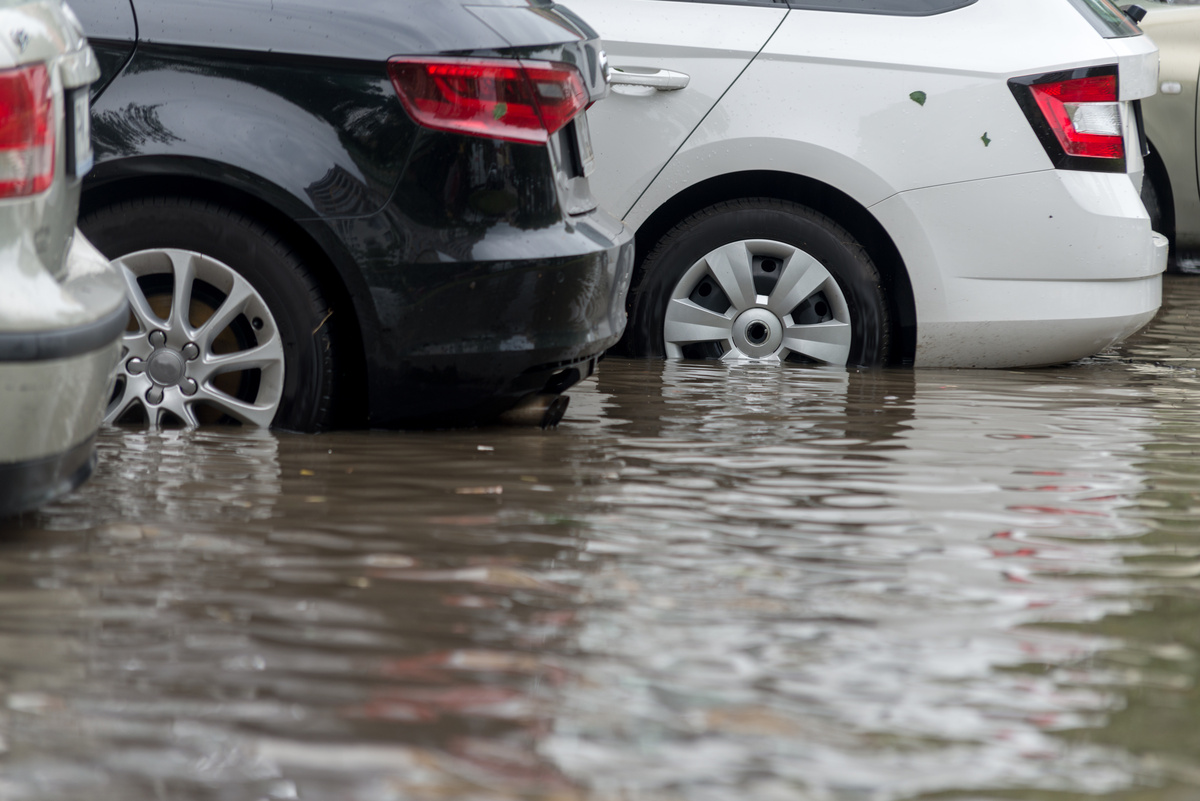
(116,182)
(1160,179)
(820,197)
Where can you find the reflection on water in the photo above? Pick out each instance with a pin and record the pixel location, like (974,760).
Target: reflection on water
(711,582)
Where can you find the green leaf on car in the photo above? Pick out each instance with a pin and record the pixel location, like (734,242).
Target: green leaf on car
(500,110)
(917,97)
(985,139)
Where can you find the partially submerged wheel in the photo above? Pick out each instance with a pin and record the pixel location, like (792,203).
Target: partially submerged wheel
(761,280)
(202,345)
(227,324)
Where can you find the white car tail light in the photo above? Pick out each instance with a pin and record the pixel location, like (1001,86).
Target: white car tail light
(26,131)
(1077,116)
(497,98)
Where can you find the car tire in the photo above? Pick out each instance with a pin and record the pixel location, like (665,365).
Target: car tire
(1151,200)
(698,291)
(256,344)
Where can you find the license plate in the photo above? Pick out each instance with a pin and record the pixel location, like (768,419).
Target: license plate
(81,122)
(583,138)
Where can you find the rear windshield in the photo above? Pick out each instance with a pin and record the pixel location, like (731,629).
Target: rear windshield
(898,8)
(1106,18)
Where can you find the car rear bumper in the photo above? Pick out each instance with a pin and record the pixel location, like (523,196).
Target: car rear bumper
(477,336)
(59,342)
(49,413)
(1026,270)
(28,484)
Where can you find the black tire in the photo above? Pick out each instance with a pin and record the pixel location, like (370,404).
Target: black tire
(301,315)
(1151,198)
(758,222)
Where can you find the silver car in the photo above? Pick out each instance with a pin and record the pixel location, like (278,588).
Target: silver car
(62,304)
(1172,189)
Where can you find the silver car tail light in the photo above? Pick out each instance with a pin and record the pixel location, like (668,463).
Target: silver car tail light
(26,131)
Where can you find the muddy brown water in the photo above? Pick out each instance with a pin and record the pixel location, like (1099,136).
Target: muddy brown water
(711,582)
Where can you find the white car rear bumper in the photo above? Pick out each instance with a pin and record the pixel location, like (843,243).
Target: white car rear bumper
(1038,268)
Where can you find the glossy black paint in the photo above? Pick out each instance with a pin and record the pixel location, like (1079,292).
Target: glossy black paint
(465,272)
(113,27)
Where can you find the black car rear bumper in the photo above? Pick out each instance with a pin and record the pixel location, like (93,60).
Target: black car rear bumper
(470,339)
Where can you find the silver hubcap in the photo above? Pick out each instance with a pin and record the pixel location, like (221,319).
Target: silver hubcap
(197,348)
(758,299)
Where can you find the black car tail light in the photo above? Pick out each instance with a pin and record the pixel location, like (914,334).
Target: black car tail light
(26,131)
(517,101)
(1077,117)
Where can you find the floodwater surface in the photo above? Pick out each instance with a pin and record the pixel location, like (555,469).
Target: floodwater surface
(710,582)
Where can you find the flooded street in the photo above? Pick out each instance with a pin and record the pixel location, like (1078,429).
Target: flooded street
(710,582)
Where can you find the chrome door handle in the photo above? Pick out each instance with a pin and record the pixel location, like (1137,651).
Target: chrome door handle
(662,80)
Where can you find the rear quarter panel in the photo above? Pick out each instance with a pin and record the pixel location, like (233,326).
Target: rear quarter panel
(111,29)
(831,97)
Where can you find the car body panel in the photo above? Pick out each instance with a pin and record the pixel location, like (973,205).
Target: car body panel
(305,125)
(48,407)
(489,292)
(709,43)
(995,303)
(910,117)
(320,29)
(112,31)
(1173,118)
(59,343)
(316,30)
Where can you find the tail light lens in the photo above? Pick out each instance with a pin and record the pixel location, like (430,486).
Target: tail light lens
(497,98)
(26,131)
(1077,117)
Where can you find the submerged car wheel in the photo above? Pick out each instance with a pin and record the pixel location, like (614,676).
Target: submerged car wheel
(226,326)
(759,279)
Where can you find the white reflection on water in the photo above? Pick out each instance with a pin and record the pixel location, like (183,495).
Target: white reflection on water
(809,605)
(179,476)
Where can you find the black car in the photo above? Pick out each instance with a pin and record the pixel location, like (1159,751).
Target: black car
(368,213)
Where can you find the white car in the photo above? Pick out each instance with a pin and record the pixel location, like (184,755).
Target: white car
(63,306)
(935,182)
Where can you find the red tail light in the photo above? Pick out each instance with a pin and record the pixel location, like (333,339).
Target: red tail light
(1077,116)
(26,131)
(497,98)
(1084,115)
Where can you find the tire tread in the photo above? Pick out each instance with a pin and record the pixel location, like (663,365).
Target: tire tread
(643,344)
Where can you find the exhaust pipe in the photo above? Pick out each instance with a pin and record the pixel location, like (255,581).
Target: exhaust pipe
(541,409)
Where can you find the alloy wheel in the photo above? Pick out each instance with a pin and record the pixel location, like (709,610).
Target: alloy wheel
(202,345)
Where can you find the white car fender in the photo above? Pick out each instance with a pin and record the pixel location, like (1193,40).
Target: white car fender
(705,157)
